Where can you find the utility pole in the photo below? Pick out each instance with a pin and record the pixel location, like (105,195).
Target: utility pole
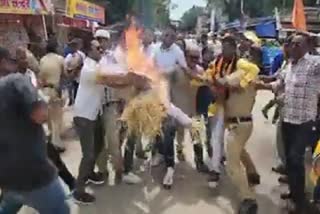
(241,6)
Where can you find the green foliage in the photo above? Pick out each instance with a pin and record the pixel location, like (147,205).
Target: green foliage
(161,12)
(116,10)
(189,18)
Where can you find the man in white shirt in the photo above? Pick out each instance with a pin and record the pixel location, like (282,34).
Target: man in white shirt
(88,109)
(167,58)
(168,55)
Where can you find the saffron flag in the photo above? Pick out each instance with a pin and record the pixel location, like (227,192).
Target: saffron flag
(298,16)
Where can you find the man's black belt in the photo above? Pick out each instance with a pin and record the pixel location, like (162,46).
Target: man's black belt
(239,119)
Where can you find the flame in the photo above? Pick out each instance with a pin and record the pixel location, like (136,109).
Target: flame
(137,60)
(140,63)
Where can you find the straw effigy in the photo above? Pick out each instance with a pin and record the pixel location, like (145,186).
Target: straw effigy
(145,112)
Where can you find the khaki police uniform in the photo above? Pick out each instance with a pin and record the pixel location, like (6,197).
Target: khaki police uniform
(114,100)
(51,69)
(238,108)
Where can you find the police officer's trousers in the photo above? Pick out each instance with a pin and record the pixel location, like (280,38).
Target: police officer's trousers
(112,128)
(55,113)
(239,162)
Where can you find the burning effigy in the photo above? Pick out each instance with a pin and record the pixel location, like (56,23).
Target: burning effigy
(145,112)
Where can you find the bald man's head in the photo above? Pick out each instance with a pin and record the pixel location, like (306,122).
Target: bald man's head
(299,46)
(21,57)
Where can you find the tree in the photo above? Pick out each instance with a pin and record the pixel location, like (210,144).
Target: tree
(190,17)
(161,12)
(116,10)
(153,13)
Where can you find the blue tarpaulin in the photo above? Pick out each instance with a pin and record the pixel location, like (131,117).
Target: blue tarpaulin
(266,29)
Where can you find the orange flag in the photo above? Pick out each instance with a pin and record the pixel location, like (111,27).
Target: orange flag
(298,16)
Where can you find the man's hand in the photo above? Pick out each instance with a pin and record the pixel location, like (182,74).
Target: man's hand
(260,85)
(39,115)
(267,79)
(141,82)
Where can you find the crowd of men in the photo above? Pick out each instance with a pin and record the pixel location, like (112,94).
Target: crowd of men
(215,78)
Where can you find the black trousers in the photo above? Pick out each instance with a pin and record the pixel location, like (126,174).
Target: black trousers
(92,143)
(296,138)
(166,141)
(129,153)
(64,173)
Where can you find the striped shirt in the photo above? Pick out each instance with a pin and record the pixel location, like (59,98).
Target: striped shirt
(301,82)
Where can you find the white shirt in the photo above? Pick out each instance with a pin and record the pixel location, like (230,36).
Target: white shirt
(167,60)
(90,94)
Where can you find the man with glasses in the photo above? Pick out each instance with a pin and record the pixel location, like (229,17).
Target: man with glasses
(87,119)
(300,81)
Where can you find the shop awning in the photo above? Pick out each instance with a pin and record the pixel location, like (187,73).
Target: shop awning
(85,10)
(26,7)
(64,21)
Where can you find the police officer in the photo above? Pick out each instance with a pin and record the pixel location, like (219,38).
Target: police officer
(238,108)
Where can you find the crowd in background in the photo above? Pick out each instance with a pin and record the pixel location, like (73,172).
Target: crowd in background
(216,77)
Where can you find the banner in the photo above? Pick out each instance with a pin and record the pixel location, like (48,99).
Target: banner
(25,6)
(85,10)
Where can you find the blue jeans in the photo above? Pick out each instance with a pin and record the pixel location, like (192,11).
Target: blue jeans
(50,199)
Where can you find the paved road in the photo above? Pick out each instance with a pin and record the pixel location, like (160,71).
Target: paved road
(190,194)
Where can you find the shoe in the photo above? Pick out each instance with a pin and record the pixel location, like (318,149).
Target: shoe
(168,178)
(157,159)
(280,169)
(315,207)
(254,179)
(286,196)
(213,179)
(283,180)
(96,178)
(248,206)
(223,161)
(60,150)
(131,178)
(83,198)
(202,167)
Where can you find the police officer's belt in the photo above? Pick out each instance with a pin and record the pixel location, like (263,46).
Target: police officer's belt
(114,102)
(239,119)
